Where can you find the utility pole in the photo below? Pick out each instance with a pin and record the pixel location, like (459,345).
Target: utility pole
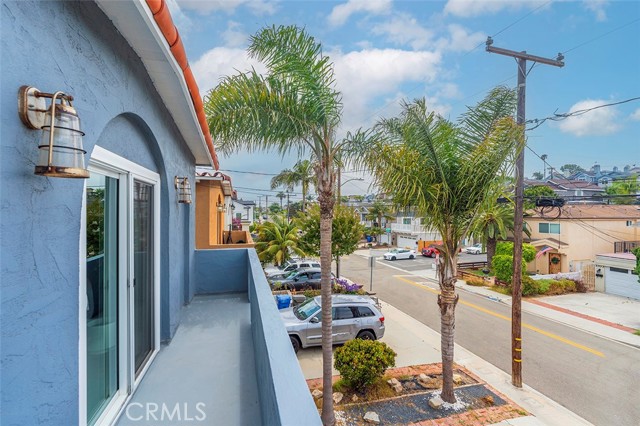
(259,208)
(516,304)
(288,204)
(266,205)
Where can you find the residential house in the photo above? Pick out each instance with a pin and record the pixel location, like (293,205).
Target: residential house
(600,177)
(572,236)
(109,314)
(573,191)
(244,212)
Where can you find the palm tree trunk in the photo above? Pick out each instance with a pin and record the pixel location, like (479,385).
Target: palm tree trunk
(447,301)
(325,197)
(491,250)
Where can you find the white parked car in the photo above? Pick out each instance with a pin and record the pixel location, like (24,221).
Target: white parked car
(474,249)
(400,253)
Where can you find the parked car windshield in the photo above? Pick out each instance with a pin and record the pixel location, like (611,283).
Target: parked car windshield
(306,309)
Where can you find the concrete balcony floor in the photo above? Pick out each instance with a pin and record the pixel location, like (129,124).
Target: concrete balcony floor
(210,361)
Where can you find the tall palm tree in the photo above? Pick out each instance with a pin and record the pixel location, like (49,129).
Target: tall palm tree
(302,174)
(444,170)
(281,195)
(278,240)
(294,107)
(493,222)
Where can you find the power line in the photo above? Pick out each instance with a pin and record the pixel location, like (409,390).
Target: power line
(559,117)
(251,173)
(600,36)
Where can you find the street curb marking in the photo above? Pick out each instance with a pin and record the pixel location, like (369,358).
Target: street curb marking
(497,315)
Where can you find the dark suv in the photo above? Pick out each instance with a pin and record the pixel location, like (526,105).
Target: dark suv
(304,279)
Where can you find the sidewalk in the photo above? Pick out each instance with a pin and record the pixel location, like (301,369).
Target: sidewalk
(605,315)
(415,343)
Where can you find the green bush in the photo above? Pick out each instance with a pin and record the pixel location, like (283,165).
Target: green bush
(502,266)
(362,362)
(529,286)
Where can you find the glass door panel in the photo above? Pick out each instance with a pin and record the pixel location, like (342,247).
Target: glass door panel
(143,293)
(102,293)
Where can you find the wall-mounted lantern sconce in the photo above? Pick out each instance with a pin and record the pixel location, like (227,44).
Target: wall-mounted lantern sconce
(233,207)
(61,152)
(221,207)
(183,188)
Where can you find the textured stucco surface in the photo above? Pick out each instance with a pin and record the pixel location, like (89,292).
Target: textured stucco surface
(221,271)
(72,46)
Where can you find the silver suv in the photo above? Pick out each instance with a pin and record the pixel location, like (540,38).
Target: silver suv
(353,317)
(291,266)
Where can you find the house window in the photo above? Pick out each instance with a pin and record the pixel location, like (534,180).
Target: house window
(621,270)
(629,223)
(406,221)
(549,228)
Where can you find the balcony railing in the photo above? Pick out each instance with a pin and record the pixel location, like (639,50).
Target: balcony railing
(625,246)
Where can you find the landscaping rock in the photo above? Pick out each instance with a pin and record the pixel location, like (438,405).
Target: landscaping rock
(430,382)
(488,400)
(317,394)
(457,379)
(436,402)
(354,398)
(423,376)
(396,385)
(410,386)
(372,417)
(337,397)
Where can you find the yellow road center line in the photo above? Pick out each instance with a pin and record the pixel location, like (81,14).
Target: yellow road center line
(506,318)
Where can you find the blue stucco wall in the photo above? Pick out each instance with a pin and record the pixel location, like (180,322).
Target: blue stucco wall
(284,395)
(221,271)
(72,46)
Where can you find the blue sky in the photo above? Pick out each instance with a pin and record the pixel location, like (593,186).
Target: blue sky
(385,51)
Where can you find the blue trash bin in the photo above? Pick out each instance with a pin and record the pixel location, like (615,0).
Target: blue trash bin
(369,238)
(283,300)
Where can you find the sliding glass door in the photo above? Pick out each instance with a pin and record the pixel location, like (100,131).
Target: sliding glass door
(121,322)
(143,293)
(102,293)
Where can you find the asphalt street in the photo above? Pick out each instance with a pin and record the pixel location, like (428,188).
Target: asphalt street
(595,377)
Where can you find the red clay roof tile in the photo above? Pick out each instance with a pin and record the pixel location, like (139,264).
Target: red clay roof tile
(162,16)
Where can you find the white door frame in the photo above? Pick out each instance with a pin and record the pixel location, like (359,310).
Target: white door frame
(113,165)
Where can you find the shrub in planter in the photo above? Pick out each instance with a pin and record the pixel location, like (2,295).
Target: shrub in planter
(502,265)
(529,286)
(362,362)
(476,281)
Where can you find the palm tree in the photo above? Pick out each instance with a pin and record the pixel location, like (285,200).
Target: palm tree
(302,174)
(294,107)
(444,170)
(379,210)
(278,240)
(281,195)
(493,222)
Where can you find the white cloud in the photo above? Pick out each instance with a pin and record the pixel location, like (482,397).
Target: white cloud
(602,121)
(365,78)
(205,7)
(220,62)
(470,8)
(635,115)
(368,75)
(341,13)
(232,36)
(597,7)
(403,29)
(461,39)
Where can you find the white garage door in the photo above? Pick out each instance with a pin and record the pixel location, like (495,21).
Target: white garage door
(405,241)
(622,284)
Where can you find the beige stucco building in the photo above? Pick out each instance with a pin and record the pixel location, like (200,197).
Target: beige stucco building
(579,233)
